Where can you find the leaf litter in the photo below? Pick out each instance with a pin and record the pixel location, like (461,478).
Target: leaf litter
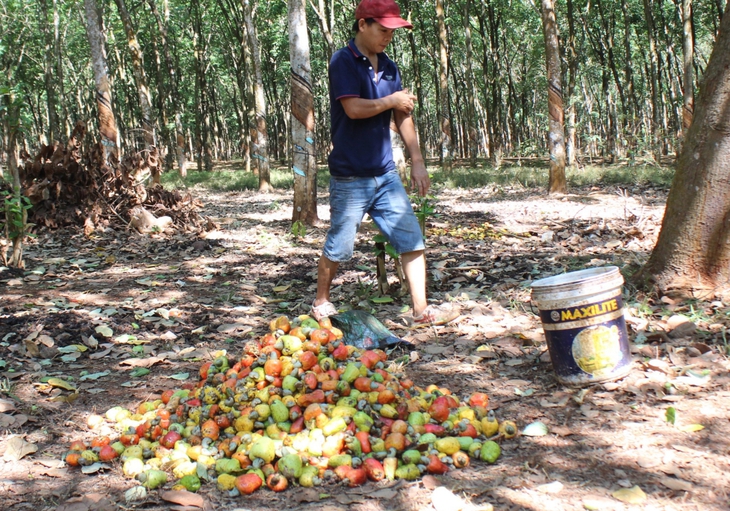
(179,301)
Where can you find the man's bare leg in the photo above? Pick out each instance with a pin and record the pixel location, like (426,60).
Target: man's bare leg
(326,271)
(414,266)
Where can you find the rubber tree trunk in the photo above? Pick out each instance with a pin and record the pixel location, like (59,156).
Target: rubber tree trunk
(15,219)
(65,122)
(304,163)
(654,81)
(687,80)
(262,140)
(692,254)
(570,144)
(143,92)
(107,123)
(204,132)
(446,143)
(54,132)
(471,123)
(172,89)
(556,137)
(417,80)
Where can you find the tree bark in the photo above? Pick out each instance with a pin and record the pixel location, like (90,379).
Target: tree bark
(471,129)
(54,132)
(143,91)
(688,77)
(12,127)
(304,163)
(107,123)
(262,142)
(443,73)
(418,83)
(572,56)
(202,120)
(556,138)
(692,254)
(653,80)
(58,55)
(491,69)
(172,88)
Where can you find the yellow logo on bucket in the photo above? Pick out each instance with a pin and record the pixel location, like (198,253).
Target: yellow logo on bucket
(588,312)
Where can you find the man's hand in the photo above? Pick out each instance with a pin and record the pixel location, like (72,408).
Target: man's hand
(419,178)
(403,101)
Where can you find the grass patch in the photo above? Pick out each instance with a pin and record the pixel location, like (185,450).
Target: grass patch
(535,175)
(232,176)
(621,175)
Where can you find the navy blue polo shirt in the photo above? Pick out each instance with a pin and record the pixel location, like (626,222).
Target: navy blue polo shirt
(361,147)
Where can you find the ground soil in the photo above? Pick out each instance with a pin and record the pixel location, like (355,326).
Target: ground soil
(95,310)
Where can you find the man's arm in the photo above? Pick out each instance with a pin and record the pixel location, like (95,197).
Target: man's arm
(419,176)
(359,108)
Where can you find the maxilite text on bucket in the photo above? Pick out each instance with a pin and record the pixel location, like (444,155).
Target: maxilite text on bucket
(585,312)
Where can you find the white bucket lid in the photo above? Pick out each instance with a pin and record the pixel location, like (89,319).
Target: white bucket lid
(589,277)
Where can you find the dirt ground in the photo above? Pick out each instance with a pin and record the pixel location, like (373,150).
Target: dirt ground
(98,312)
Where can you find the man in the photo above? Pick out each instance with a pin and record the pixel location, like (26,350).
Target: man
(365,91)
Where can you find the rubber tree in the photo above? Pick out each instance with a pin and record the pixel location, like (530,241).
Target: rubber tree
(143,92)
(304,164)
(107,123)
(692,254)
(556,137)
(445,123)
(687,79)
(262,138)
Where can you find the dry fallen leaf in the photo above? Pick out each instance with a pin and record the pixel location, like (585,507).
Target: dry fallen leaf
(383,494)
(12,421)
(92,502)
(32,348)
(18,448)
(183,497)
(234,327)
(100,354)
(58,382)
(430,482)
(554,487)
(6,405)
(349,498)
(142,362)
(634,495)
(433,349)
(561,430)
(676,484)
(46,340)
(691,428)
(54,472)
(307,495)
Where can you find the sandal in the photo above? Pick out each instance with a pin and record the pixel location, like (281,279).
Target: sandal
(434,316)
(324,310)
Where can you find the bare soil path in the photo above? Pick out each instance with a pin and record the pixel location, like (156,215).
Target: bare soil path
(99,312)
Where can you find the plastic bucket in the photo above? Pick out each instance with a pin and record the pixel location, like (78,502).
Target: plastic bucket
(583,319)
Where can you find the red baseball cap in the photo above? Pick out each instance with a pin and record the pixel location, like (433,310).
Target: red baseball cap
(385,12)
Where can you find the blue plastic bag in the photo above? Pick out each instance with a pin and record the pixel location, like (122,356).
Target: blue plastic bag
(363,330)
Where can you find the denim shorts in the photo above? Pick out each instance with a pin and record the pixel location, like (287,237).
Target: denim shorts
(387,203)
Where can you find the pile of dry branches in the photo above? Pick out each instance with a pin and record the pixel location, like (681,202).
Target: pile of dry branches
(77,185)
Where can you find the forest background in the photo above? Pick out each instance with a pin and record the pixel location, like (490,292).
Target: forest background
(477,66)
(202,83)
